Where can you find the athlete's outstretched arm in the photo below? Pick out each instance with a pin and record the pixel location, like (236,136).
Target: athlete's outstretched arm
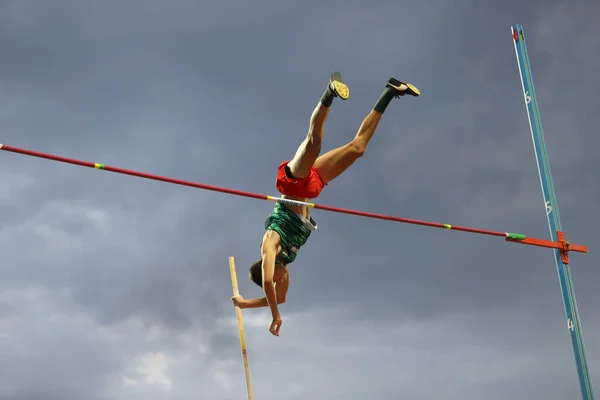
(269,252)
(281,289)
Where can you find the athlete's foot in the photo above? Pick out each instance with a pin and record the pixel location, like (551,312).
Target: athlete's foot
(338,87)
(402,88)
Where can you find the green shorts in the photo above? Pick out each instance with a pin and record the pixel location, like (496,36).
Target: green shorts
(293,229)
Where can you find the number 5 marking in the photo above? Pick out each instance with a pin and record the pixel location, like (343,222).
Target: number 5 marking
(548,208)
(570,324)
(527,98)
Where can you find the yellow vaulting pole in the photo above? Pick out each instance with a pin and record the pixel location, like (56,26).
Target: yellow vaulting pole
(238,313)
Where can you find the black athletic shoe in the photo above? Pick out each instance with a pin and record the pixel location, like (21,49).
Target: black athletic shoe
(338,87)
(402,88)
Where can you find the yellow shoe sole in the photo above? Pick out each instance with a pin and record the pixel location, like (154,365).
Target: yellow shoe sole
(341,89)
(410,88)
(414,89)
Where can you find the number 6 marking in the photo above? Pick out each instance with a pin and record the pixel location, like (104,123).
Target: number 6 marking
(527,98)
(570,325)
(548,208)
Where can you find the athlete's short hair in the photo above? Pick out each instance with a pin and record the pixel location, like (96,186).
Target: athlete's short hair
(256,272)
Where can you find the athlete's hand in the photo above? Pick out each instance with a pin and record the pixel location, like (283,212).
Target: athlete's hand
(276,325)
(238,301)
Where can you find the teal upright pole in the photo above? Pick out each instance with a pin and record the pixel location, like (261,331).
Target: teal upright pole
(562,262)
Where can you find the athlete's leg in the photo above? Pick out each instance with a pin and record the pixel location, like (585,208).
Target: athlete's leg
(332,164)
(310,148)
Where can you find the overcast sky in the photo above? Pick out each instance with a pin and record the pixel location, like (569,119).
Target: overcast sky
(113,287)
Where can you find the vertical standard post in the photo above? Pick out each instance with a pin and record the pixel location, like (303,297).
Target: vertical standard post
(238,313)
(554,224)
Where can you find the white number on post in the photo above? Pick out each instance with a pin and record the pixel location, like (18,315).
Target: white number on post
(570,325)
(527,98)
(548,208)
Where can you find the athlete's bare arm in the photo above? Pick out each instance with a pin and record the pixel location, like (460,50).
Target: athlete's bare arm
(269,253)
(270,245)
(281,289)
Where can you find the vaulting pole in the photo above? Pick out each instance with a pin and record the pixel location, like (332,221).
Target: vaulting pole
(240,323)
